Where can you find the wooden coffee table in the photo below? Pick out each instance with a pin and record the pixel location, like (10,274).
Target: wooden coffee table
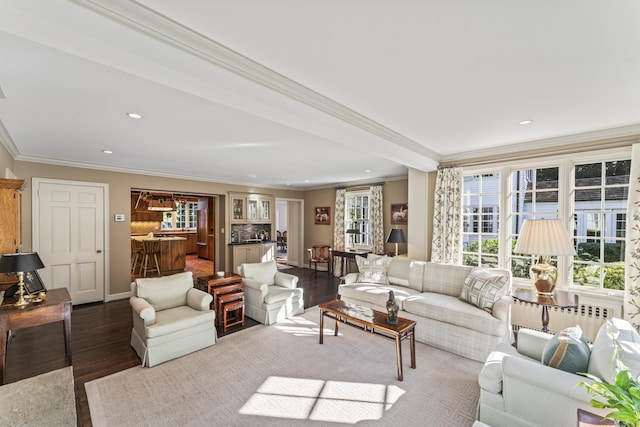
(371,321)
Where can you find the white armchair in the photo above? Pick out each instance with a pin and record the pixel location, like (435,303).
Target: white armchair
(171,318)
(270,296)
(516,389)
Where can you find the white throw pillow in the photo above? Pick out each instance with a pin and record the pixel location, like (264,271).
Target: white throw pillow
(483,289)
(373,270)
(601,362)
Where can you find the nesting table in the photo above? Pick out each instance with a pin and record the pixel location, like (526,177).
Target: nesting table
(228,298)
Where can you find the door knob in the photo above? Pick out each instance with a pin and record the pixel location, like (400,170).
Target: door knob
(99,251)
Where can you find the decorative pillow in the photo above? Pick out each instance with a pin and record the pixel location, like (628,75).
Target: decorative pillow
(567,350)
(373,271)
(483,289)
(601,362)
(361,261)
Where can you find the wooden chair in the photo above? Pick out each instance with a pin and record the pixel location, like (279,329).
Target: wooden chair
(151,251)
(137,255)
(279,239)
(320,254)
(284,240)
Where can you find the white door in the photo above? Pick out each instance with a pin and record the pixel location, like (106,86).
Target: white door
(295,236)
(69,236)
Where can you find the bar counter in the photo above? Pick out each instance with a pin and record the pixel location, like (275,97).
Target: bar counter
(173,253)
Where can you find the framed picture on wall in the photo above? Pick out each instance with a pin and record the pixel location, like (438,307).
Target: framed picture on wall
(323,216)
(400,213)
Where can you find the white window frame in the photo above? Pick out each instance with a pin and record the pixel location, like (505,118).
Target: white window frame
(365,237)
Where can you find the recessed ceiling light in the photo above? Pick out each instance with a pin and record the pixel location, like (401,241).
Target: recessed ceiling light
(134,115)
(367,171)
(107,151)
(526,122)
(306,180)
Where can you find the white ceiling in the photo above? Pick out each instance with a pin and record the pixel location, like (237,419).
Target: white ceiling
(303,94)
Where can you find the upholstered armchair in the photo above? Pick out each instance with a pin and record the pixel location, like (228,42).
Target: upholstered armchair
(171,318)
(270,296)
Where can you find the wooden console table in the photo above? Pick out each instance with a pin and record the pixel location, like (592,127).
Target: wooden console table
(56,307)
(344,256)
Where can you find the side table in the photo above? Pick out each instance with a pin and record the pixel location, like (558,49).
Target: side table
(560,299)
(216,286)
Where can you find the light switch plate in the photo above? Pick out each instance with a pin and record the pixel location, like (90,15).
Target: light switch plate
(119,217)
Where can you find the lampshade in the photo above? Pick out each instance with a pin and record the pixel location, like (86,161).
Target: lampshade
(20,262)
(396,235)
(546,237)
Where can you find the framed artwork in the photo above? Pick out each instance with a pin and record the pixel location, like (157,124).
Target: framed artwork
(33,283)
(322,216)
(400,213)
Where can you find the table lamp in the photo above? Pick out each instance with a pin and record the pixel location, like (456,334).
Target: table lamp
(353,232)
(20,263)
(545,238)
(396,236)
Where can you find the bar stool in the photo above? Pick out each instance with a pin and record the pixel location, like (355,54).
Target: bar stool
(137,255)
(151,249)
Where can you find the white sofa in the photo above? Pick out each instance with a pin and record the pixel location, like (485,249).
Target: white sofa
(171,318)
(516,389)
(270,295)
(429,294)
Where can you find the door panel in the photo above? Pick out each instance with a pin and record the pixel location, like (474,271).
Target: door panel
(70,238)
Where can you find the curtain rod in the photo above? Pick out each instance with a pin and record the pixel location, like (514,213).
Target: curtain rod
(537,153)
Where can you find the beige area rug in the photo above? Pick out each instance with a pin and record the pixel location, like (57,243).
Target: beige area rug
(280,376)
(45,400)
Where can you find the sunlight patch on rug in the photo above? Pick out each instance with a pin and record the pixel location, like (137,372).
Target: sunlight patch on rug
(318,400)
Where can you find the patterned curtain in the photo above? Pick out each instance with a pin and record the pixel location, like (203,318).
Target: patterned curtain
(376,219)
(447,223)
(632,251)
(338,228)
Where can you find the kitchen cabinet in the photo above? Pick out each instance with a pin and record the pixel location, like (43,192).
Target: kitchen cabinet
(252,253)
(190,236)
(10,199)
(256,208)
(204,234)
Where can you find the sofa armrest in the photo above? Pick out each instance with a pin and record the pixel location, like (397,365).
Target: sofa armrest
(351,278)
(531,343)
(502,308)
(255,286)
(143,310)
(199,300)
(285,280)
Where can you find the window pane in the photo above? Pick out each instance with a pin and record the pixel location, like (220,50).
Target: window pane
(617,172)
(547,178)
(588,174)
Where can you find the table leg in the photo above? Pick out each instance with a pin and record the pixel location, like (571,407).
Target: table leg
(3,353)
(335,331)
(67,332)
(399,357)
(545,318)
(321,325)
(413,348)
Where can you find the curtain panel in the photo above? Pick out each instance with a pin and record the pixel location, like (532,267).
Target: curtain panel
(447,213)
(338,228)
(377,219)
(632,250)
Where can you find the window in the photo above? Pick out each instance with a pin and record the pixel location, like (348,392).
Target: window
(601,191)
(357,217)
(480,206)
(184,217)
(589,192)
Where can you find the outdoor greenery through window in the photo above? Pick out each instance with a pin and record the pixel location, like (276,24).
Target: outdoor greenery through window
(591,194)
(357,217)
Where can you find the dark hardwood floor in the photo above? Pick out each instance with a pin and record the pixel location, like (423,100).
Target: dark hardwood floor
(100,334)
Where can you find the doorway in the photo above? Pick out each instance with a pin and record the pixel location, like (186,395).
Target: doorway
(289,222)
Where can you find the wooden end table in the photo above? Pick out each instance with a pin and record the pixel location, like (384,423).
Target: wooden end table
(371,321)
(56,307)
(215,285)
(560,299)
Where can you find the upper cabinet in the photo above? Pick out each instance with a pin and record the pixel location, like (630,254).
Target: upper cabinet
(248,208)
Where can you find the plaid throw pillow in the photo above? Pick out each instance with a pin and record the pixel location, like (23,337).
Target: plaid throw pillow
(483,289)
(373,271)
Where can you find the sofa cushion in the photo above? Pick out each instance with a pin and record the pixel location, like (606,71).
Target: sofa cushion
(444,278)
(398,271)
(450,309)
(483,289)
(263,272)
(375,294)
(165,292)
(178,319)
(277,294)
(373,271)
(567,350)
(601,362)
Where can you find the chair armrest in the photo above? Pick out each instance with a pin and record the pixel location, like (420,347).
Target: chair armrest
(199,300)
(285,280)
(536,379)
(143,310)
(531,343)
(351,278)
(502,308)
(255,285)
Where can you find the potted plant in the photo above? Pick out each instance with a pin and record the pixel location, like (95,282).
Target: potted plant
(623,396)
